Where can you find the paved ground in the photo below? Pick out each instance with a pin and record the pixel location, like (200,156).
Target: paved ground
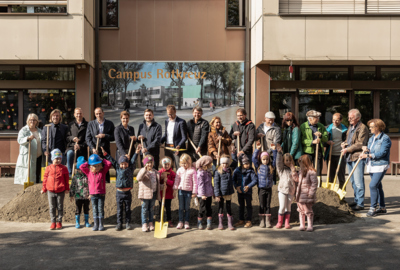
(369,243)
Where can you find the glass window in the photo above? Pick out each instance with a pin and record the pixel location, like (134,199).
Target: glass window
(9,73)
(109,13)
(281,103)
(327,102)
(235,13)
(280,73)
(42,102)
(390,74)
(50,73)
(324,73)
(390,110)
(364,73)
(9,111)
(364,102)
(38,9)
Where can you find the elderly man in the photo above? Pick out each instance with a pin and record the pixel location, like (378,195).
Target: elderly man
(175,135)
(57,135)
(314,133)
(104,130)
(150,132)
(357,137)
(337,135)
(198,133)
(76,139)
(269,132)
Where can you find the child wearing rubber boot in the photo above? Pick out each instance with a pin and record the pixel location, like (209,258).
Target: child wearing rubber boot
(56,184)
(306,192)
(124,169)
(205,190)
(223,190)
(79,190)
(244,179)
(186,184)
(149,192)
(265,166)
(286,188)
(95,170)
(167,176)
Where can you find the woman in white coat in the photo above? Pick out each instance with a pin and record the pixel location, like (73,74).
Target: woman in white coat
(29,133)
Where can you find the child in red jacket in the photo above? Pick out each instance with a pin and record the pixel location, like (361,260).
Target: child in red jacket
(168,178)
(56,184)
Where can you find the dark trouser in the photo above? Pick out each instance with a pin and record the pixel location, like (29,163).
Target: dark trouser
(221,206)
(245,198)
(38,169)
(341,174)
(264,195)
(82,204)
(205,207)
(319,162)
(174,158)
(168,208)
(192,153)
(124,197)
(56,202)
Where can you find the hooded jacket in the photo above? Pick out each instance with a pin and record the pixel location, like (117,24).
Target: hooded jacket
(273,135)
(244,177)
(124,176)
(56,178)
(223,183)
(247,135)
(264,174)
(169,193)
(97,181)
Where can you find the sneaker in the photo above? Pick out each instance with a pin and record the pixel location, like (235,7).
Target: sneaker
(240,223)
(151,226)
(357,208)
(128,226)
(381,211)
(145,228)
(58,226)
(118,227)
(248,224)
(180,225)
(53,226)
(187,226)
(352,204)
(371,213)
(170,224)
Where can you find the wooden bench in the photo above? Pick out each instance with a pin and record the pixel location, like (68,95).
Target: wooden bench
(395,163)
(6,165)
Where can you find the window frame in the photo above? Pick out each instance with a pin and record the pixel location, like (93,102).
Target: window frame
(242,10)
(100,17)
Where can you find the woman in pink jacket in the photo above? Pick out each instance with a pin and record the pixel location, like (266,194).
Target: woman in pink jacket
(306,192)
(186,184)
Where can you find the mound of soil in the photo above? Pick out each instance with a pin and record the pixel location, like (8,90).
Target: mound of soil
(31,206)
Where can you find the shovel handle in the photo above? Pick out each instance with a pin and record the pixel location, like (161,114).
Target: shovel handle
(219,151)
(338,168)
(194,147)
(47,145)
(97,144)
(238,148)
(352,171)
(29,162)
(74,166)
(162,206)
(329,165)
(130,148)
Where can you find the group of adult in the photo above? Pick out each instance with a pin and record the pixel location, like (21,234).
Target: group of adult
(204,138)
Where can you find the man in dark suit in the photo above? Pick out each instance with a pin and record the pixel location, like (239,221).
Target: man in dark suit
(174,135)
(104,130)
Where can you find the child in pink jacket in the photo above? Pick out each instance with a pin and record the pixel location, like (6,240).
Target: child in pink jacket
(186,184)
(96,175)
(306,192)
(205,190)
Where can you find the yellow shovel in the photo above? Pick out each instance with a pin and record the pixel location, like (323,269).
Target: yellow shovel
(174,149)
(327,184)
(47,149)
(342,192)
(161,228)
(28,183)
(334,186)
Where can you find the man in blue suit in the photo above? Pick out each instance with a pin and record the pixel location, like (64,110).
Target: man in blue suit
(174,134)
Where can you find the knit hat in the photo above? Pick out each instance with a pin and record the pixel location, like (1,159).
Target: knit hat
(80,161)
(270,115)
(265,153)
(56,153)
(148,158)
(203,161)
(123,159)
(166,161)
(313,113)
(224,160)
(244,159)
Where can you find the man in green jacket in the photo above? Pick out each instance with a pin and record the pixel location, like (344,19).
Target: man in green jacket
(313,133)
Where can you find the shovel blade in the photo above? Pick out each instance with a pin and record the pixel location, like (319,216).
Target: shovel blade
(341,193)
(335,187)
(161,230)
(324,185)
(319,181)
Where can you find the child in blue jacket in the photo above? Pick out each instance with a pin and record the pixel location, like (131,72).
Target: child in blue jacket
(244,179)
(265,166)
(124,170)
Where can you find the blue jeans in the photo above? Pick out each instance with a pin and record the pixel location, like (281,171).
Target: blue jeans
(376,190)
(184,204)
(98,205)
(357,181)
(148,209)
(70,161)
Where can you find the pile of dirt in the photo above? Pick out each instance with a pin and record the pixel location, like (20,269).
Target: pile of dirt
(31,206)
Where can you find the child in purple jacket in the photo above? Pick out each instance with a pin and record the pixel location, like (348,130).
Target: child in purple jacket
(205,190)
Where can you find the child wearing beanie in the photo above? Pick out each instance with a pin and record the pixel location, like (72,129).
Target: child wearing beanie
(167,177)
(56,184)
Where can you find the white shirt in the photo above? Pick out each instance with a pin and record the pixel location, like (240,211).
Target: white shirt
(376,169)
(170,131)
(266,128)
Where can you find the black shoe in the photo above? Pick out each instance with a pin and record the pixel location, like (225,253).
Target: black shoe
(128,226)
(381,211)
(118,227)
(352,204)
(357,208)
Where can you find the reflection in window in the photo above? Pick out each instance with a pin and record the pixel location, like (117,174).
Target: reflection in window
(327,102)
(38,9)
(50,73)
(364,73)
(109,13)
(235,13)
(390,110)
(280,73)
(9,73)
(364,101)
(324,73)
(9,111)
(281,103)
(390,74)
(42,102)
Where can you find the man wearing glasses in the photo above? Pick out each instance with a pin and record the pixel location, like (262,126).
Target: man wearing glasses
(269,132)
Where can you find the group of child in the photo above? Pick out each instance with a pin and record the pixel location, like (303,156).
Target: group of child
(191,180)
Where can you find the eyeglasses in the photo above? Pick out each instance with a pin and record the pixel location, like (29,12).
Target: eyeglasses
(32,120)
